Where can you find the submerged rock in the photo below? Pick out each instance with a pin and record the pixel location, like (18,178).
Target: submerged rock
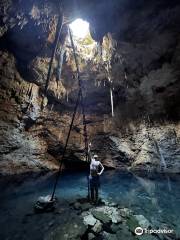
(89,220)
(116,218)
(143,222)
(109,236)
(73,230)
(97,227)
(101,216)
(85,206)
(91,236)
(77,206)
(115,227)
(123,234)
(132,223)
(125,212)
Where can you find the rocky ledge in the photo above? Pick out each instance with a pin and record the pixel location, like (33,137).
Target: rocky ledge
(105,220)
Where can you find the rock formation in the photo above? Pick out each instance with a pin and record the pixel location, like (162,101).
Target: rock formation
(136,58)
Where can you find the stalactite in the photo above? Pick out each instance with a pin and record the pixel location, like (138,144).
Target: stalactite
(125,75)
(20,90)
(59,136)
(52,106)
(31,93)
(112,104)
(27,93)
(61,57)
(80,139)
(111,96)
(58,96)
(67,96)
(60,62)
(23,88)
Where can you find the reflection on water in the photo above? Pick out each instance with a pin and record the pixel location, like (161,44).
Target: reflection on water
(158,199)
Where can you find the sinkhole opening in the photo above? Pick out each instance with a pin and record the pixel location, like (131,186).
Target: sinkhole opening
(80,28)
(84,43)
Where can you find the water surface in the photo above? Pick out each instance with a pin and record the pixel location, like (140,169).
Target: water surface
(158,199)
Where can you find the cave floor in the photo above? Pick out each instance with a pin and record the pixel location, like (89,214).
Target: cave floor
(155,198)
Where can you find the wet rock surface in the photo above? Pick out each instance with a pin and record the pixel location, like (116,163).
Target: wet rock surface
(93,224)
(72,230)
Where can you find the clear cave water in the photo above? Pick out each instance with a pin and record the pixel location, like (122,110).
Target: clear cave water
(157,198)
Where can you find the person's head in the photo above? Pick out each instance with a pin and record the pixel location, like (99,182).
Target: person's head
(95,157)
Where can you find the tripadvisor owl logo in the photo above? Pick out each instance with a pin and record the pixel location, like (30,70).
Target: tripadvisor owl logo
(138,231)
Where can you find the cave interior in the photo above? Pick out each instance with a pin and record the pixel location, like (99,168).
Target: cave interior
(84,78)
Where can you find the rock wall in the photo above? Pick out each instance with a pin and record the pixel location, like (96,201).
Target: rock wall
(137,58)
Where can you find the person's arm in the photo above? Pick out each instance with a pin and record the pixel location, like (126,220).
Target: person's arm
(102,168)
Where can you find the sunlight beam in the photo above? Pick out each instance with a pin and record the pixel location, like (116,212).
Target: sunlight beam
(80,28)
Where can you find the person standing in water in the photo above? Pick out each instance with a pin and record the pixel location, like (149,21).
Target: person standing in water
(96,169)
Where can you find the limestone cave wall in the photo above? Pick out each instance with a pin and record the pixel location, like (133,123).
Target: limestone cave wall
(141,42)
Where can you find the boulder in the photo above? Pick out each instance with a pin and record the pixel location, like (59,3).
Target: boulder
(115,216)
(125,212)
(97,227)
(77,206)
(89,220)
(143,222)
(85,206)
(115,227)
(112,204)
(132,223)
(91,236)
(104,218)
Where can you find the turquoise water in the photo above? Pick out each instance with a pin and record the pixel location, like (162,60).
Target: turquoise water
(158,199)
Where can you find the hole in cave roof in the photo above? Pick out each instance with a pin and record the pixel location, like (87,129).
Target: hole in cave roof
(80,28)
